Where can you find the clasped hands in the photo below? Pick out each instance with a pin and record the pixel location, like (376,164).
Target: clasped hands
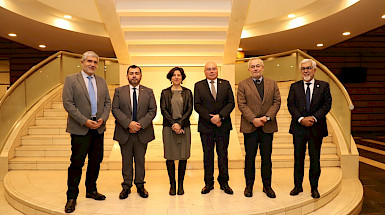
(308,121)
(259,122)
(177,128)
(216,120)
(134,127)
(94,124)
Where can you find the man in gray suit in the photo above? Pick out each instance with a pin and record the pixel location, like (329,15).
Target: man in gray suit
(134,108)
(87,101)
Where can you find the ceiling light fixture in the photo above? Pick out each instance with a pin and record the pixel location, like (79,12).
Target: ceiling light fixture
(12,34)
(68,16)
(346,33)
(383,16)
(42,46)
(291,15)
(240,49)
(320,44)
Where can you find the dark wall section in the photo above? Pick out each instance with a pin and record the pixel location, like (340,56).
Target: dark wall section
(21,57)
(360,65)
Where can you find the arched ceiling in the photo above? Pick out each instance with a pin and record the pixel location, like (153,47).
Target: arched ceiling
(267,28)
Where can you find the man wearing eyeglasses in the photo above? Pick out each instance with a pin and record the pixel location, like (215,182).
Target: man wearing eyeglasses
(309,101)
(214,101)
(259,101)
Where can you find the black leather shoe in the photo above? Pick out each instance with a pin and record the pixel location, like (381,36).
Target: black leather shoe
(142,192)
(95,195)
(269,192)
(227,189)
(124,193)
(315,193)
(296,191)
(248,191)
(206,189)
(70,206)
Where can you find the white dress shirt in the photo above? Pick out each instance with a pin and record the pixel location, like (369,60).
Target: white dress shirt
(215,84)
(132,94)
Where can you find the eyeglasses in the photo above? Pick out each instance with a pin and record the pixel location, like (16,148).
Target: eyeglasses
(255,66)
(211,69)
(306,68)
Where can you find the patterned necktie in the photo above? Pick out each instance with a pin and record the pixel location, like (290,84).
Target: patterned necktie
(92,95)
(308,97)
(213,91)
(134,106)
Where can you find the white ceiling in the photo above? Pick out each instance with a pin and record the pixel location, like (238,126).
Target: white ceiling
(267,29)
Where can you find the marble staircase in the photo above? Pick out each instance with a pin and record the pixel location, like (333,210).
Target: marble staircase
(46,145)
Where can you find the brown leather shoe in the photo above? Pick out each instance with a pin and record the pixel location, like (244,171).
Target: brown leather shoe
(269,192)
(142,191)
(70,206)
(206,189)
(296,191)
(248,191)
(227,189)
(95,195)
(124,193)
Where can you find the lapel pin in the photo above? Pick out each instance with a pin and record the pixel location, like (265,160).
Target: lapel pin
(317,85)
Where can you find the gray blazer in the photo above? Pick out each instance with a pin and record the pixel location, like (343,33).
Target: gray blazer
(77,103)
(122,111)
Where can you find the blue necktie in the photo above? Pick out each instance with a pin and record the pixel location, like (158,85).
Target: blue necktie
(308,97)
(134,106)
(92,95)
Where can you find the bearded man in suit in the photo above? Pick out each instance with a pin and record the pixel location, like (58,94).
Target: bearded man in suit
(309,101)
(259,101)
(87,102)
(134,108)
(214,101)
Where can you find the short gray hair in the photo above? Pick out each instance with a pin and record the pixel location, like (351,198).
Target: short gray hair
(88,54)
(255,58)
(313,63)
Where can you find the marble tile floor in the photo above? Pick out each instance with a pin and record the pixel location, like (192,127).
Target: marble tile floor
(47,189)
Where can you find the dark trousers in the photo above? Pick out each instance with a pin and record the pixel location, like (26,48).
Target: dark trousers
(314,145)
(221,140)
(265,143)
(91,144)
(133,151)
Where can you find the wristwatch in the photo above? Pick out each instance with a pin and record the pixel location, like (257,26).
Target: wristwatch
(268,118)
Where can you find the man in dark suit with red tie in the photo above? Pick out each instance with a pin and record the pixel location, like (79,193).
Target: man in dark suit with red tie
(308,102)
(214,101)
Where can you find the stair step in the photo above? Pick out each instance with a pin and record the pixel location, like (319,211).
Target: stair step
(50,151)
(54,140)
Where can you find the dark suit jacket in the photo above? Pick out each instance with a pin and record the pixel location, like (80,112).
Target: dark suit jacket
(205,104)
(320,106)
(165,107)
(122,111)
(251,105)
(76,102)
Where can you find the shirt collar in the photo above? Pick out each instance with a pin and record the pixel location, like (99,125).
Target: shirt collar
(209,81)
(84,74)
(312,81)
(260,79)
(131,87)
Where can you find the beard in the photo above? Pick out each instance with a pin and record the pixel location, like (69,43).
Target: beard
(306,78)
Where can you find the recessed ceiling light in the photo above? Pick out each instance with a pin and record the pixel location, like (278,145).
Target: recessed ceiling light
(383,16)
(68,16)
(240,49)
(12,34)
(291,15)
(42,46)
(346,33)
(320,44)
